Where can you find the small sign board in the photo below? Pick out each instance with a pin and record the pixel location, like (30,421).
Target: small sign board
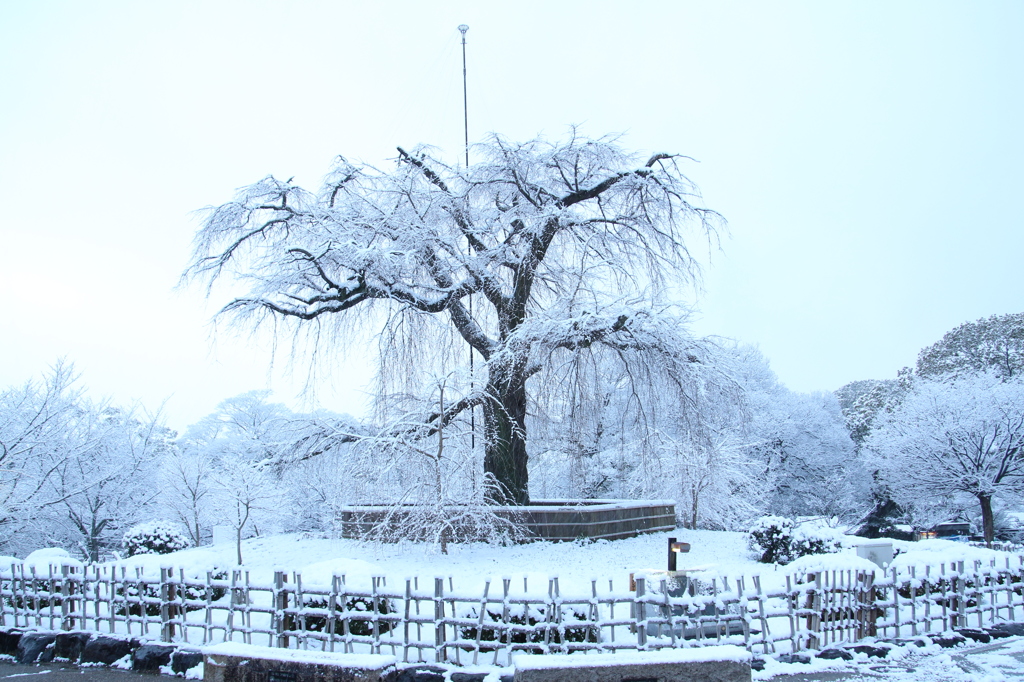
(878,552)
(281,676)
(223,535)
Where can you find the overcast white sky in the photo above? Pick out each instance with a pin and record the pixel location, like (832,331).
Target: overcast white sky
(867,155)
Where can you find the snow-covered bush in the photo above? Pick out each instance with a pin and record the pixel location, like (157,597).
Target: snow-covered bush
(132,599)
(50,556)
(808,539)
(154,537)
(779,540)
(544,629)
(772,537)
(358,624)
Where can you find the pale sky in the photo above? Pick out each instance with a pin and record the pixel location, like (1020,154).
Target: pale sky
(867,156)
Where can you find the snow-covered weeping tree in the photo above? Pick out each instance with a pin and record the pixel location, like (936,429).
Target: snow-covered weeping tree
(536,254)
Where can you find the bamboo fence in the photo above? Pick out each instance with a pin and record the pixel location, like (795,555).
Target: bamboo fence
(433,621)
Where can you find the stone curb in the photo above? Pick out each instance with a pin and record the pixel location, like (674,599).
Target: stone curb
(91,648)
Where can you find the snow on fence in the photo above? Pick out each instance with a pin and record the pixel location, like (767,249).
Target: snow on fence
(432,621)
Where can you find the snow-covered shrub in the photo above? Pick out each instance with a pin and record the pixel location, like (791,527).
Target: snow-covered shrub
(154,537)
(779,540)
(809,539)
(545,630)
(772,537)
(129,600)
(51,556)
(358,624)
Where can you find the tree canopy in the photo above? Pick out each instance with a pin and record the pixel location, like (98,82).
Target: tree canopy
(993,344)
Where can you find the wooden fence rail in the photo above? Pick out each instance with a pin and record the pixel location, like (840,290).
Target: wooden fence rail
(433,621)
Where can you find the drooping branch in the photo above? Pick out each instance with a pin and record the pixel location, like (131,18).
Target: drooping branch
(326,436)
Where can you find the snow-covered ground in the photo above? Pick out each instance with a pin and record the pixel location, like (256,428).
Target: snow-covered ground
(470,564)
(575,563)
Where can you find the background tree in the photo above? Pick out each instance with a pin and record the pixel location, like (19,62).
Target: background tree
(561,247)
(248,425)
(103,477)
(245,497)
(799,442)
(33,419)
(994,344)
(950,439)
(73,473)
(227,449)
(186,491)
(802,441)
(715,484)
(862,401)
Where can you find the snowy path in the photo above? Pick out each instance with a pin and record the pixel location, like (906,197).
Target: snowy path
(994,662)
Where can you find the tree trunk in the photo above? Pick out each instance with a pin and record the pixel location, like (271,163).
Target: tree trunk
(505,455)
(987,520)
(693,509)
(96,529)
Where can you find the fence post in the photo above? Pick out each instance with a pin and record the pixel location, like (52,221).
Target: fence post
(33,604)
(979,587)
(868,616)
(548,611)
(374,615)
(641,613)
(332,608)
(913,601)
(961,617)
(166,596)
(208,610)
(791,614)
(766,640)
(300,622)
(66,622)
(440,653)
(813,604)
(405,621)
(506,583)
(280,604)
(1010,591)
(896,600)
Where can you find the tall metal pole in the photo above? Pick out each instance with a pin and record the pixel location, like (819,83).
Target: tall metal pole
(465,128)
(465,104)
